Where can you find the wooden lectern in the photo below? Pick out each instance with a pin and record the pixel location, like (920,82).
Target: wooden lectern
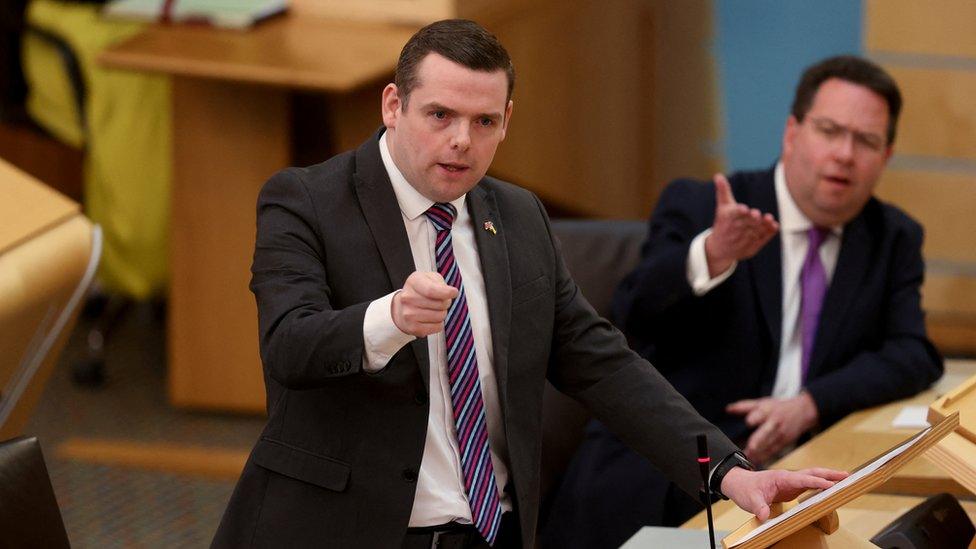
(956,453)
(824,532)
(812,520)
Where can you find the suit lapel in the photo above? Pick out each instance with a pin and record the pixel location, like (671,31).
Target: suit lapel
(493,252)
(382,213)
(767,266)
(852,265)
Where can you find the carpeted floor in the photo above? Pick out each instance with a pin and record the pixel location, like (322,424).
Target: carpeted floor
(107,506)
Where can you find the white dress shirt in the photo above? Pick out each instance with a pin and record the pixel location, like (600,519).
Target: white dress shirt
(793,239)
(440,496)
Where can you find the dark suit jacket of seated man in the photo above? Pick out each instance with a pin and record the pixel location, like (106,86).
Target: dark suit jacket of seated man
(378,435)
(732,341)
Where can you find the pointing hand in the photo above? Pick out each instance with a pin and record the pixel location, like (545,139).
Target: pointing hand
(738,232)
(420,308)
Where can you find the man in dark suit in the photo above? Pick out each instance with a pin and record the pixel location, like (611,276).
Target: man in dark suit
(410,309)
(776,301)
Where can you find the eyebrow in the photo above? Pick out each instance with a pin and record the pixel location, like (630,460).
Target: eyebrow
(846,127)
(434,106)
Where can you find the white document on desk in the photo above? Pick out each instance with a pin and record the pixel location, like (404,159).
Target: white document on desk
(853,478)
(911,417)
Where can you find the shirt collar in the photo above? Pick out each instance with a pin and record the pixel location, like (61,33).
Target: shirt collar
(412,203)
(791,219)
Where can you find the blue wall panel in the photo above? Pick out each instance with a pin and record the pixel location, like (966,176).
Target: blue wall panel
(761,49)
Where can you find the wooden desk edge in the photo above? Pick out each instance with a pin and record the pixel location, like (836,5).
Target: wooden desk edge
(133,54)
(116,57)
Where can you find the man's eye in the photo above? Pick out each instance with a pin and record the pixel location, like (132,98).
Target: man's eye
(486,122)
(440,115)
(830,130)
(871,142)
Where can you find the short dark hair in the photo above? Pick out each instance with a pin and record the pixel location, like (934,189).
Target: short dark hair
(855,70)
(463,42)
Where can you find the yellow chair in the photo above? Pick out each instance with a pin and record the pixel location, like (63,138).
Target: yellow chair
(122,119)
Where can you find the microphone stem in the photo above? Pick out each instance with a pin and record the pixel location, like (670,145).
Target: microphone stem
(703,462)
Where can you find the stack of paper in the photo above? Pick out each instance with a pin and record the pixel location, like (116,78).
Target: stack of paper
(236,14)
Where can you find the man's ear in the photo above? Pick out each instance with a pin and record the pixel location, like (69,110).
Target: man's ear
(889,150)
(789,134)
(390,106)
(508,117)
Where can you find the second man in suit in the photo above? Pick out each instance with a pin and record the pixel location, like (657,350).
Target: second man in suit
(776,301)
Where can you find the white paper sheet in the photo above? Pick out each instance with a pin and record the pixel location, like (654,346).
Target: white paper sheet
(911,417)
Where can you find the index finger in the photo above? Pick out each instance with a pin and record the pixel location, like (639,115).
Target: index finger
(823,472)
(809,481)
(741,407)
(723,191)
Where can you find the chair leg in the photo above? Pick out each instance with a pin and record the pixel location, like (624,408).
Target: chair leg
(108,310)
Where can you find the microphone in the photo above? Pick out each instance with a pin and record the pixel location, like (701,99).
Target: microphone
(703,466)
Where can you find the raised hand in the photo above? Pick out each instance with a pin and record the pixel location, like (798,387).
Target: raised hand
(755,491)
(778,422)
(420,308)
(738,232)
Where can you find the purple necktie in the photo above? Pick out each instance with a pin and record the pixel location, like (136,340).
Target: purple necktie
(462,369)
(813,288)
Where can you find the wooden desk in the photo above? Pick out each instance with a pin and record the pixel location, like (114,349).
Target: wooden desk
(48,252)
(232,129)
(290,52)
(856,439)
(864,435)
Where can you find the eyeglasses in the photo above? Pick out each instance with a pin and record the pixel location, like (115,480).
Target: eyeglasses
(832,132)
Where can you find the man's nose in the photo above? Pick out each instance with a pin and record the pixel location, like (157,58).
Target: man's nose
(461,139)
(844,147)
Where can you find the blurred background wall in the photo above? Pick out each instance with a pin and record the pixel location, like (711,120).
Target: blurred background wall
(932,54)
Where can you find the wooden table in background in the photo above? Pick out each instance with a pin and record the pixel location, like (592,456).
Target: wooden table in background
(232,129)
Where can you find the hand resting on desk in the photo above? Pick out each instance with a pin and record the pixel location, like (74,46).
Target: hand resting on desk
(754,491)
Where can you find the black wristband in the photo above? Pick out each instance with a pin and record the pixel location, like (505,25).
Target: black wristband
(736,459)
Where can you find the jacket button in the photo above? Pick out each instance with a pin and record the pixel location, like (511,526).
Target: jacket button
(409,475)
(420,397)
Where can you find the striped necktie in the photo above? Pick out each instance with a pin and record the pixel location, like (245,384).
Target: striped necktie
(462,368)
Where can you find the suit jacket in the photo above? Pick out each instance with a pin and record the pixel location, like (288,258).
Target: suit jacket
(871,345)
(337,463)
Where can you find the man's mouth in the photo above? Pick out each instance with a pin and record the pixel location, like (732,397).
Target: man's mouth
(452,167)
(838,180)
